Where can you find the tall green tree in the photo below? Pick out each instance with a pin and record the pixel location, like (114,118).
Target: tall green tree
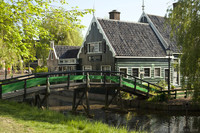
(185,23)
(63,27)
(21,23)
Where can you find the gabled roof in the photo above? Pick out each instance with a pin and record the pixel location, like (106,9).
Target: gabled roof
(164,29)
(132,39)
(63,52)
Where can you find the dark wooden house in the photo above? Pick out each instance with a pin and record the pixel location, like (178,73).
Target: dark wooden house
(136,48)
(62,58)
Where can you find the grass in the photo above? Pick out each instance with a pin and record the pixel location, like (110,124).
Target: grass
(19,117)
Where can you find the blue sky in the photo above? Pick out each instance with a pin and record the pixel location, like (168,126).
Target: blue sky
(130,10)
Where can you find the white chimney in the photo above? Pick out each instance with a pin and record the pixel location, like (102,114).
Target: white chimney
(52,44)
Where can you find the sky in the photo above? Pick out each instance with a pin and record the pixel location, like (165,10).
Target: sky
(131,10)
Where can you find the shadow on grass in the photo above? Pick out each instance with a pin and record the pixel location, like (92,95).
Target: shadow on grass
(25,112)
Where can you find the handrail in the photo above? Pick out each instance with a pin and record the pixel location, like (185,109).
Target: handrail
(5,80)
(87,73)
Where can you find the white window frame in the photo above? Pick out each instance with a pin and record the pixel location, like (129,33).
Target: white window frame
(124,68)
(155,73)
(97,45)
(138,71)
(87,66)
(105,66)
(149,72)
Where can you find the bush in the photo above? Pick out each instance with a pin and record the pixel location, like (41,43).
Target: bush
(39,69)
(159,98)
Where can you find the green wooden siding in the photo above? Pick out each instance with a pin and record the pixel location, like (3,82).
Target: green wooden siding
(145,63)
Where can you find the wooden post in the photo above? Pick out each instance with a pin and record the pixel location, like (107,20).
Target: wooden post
(25,87)
(106,95)
(47,92)
(47,85)
(185,93)
(1,92)
(148,90)
(87,102)
(68,81)
(74,102)
(135,84)
(87,80)
(120,81)
(175,94)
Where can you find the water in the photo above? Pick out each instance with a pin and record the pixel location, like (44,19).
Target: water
(140,120)
(156,122)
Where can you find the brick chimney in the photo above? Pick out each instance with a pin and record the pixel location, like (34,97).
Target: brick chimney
(114,14)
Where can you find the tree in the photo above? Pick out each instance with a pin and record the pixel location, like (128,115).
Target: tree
(185,22)
(62,28)
(20,25)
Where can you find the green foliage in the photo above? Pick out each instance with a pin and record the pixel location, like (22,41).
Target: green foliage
(21,22)
(27,68)
(37,120)
(185,23)
(39,69)
(158,98)
(162,83)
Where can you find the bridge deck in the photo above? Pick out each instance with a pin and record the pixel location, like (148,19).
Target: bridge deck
(73,86)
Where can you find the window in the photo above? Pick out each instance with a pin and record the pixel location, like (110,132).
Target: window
(61,61)
(95,58)
(135,72)
(157,72)
(106,68)
(123,70)
(51,55)
(87,67)
(146,72)
(95,47)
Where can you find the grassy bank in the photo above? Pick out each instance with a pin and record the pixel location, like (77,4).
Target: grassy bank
(16,117)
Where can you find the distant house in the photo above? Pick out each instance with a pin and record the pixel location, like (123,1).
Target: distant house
(136,48)
(62,58)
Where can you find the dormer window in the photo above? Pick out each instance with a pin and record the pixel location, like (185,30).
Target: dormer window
(94,47)
(52,55)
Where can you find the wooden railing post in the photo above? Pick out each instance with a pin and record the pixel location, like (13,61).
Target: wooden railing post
(120,81)
(68,81)
(175,94)
(25,88)
(1,92)
(185,93)
(148,88)
(87,80)
(47,85)
(135,84)
(106,89)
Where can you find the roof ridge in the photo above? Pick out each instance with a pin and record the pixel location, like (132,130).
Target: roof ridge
(66,46)
(123,21)
(155,15)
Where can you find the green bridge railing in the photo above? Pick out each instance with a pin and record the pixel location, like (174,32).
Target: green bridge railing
(65,77)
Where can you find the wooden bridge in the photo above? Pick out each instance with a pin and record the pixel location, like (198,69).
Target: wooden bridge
(81,82)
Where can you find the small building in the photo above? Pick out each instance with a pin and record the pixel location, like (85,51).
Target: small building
(136,48)
(62,58)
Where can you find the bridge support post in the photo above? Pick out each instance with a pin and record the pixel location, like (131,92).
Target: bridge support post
(106,95)
(25,87)
(0,91)
(87,102)
(74,102)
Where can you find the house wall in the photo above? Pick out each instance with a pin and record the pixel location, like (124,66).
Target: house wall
(52,62)
(106,55)
(145,63)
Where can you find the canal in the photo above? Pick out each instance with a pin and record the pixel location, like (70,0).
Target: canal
(135,119)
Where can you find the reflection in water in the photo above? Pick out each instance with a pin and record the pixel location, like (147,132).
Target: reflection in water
(151,122)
